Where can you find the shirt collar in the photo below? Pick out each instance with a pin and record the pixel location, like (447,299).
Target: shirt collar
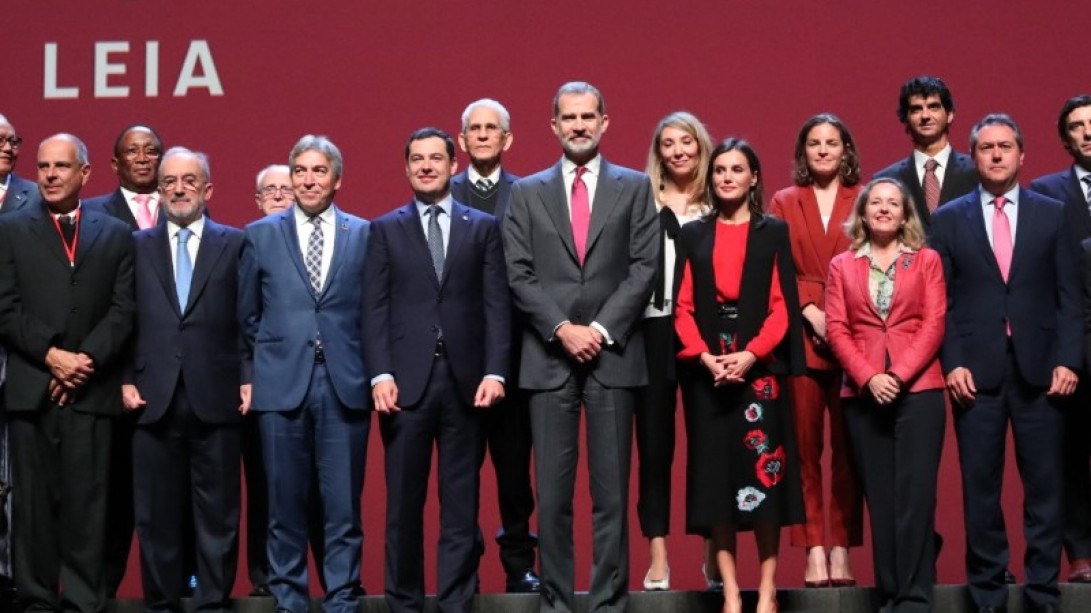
(865,250)
(445,204)
(130,196)
(1081,172)
(7,182)
(569,167)
(1011,197)
(196,226)
(329,216)
(474,177)
(941,158)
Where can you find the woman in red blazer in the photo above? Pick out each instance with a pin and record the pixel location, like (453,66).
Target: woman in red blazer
(826,176)
(885,307)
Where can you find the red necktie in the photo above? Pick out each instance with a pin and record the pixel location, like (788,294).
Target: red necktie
(931,184)
(145,215)
(581,213)
(1002,246)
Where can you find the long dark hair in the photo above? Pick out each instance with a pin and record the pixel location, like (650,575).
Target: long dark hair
(755,195)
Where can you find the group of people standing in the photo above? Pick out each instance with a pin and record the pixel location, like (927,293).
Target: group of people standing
(495,314)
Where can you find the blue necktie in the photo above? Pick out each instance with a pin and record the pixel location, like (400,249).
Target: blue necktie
(183,274)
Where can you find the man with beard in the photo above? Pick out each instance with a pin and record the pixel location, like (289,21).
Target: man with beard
(66,311)
(581,242)
(486,186)
(184,379)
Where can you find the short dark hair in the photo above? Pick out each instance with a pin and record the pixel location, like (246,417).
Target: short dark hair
(923,86)
(430,132)
(1070,105)
(849,170)
(130,128)
(755,195)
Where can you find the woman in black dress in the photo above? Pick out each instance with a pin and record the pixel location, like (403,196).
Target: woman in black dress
(738,321)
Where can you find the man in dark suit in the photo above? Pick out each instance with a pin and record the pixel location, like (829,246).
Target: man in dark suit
(183,377)
(135,161)
(301,311)
(486,186)
(581,241)
(934,173)
(1012,347)
(66,310)
(15,193)
(1072,186)
(437,333)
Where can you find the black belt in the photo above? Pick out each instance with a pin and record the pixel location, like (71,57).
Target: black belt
(319,355)
(441,349)
(729,310)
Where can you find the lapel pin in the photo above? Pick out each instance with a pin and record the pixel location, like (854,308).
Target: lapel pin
(465,218)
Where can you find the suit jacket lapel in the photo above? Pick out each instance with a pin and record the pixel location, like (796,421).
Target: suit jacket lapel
(42,224)
(1079,200)
(607,193)
(291,243)
(555,203)
(89,230)
(120,208)
(954,167)
(812,221)
(410,222)
(163,265)
(842,207)
(208,254)
(502,193)
(863,271)
(975,221)
(1026,227)
(340,238)
(460,228)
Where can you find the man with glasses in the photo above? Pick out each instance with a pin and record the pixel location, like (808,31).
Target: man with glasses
(274,189)
(15,193)
(66,311)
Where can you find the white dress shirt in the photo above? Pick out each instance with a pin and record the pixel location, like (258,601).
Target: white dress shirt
(194,242)
(474,177)
(1011,209)
(134,206)
(590,179)
(941,159)
(444,219)
(304,228)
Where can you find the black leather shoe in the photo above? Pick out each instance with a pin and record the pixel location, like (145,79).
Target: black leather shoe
(526,582)
(1049,608)
(1008,577)
(261,591)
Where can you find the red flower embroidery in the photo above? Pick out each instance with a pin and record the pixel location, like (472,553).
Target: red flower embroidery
(770,467)
(766,388)
(755,440)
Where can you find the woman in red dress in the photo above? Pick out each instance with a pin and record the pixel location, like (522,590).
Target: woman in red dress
(739,326)
(826,178)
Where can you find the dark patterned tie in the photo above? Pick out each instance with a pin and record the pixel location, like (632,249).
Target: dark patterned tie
(1087,188)
(931,184)
(313,261)
(483,185)
(435,239)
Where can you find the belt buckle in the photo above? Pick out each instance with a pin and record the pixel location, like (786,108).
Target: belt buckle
(319,355)
(441,349)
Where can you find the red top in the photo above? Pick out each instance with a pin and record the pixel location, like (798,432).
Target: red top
(728,255)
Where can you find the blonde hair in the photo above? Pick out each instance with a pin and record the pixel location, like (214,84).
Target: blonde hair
(656,167)
(911,233)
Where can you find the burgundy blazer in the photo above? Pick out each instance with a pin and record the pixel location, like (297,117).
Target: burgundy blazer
(912,334)
(813,248)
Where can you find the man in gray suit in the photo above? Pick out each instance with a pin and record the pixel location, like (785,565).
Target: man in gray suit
(580,240)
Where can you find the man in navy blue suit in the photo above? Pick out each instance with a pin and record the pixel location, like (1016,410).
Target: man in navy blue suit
(486,185)
(1011,351)
(184,379)
(1072,186)
(301,284)
(437,335)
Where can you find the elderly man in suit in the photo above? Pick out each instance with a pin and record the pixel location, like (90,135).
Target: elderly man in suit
(1011,351)
(301,310)
(437,333)
(184,379)
(486,186)
(1072,186)
(581,241)
(934,173)
(66,311)
(15,193)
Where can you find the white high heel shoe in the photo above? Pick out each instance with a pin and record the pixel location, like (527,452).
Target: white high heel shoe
(657,585)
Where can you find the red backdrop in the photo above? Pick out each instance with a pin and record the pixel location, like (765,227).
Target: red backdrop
(367,73)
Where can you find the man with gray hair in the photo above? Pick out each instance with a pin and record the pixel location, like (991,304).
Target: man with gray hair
(485,186)
(274,193)
(301,312)
(183,384)
(66,311)
(581,244)
(15,193)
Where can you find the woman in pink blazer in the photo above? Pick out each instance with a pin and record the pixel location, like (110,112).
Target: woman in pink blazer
(827,173)
(885,308)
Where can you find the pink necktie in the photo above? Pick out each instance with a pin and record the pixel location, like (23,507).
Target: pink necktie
(931,184)
(581,213)
(145,216)
(1002,238)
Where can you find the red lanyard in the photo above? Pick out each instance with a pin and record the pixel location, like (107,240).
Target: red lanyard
(70,250)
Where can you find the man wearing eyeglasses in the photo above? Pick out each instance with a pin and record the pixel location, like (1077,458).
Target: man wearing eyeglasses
(15,193)
(136,202)
(274,190)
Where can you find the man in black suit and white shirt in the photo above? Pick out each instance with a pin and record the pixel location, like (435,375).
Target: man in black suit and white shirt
(580,239)
(934,173)
(66,311)
(486,186)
